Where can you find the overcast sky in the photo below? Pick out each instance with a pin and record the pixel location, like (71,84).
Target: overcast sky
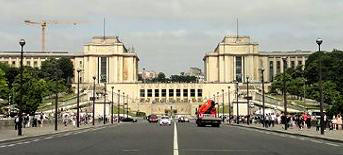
(173,35)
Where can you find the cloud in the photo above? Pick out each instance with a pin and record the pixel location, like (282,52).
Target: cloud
(176,32)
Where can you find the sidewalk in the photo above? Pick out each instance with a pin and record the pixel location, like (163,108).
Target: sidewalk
(7,135)
(330,135)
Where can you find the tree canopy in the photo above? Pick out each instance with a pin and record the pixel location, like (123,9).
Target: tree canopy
(332,79)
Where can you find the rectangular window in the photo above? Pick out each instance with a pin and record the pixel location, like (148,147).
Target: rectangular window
(271,70)
(192,92)
(149,92)
(199,92)
(292,64)
(300,63)
(164,92)
(142,93)
(28,63)
(35,64)
(157,93)
(178,92)
(185,92)
(13,62)
(103,69)
(278,67)
(239,68)
(171,92)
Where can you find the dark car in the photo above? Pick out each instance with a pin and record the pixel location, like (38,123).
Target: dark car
(153,119)
(128,119)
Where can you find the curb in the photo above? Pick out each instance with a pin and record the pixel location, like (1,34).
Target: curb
(50,134)
(284,132)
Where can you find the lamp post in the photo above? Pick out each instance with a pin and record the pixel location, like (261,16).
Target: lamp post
(218,103)
(319,41)
(93,100)
(263,106)
(21,43)
(124,102)
(105,89)
(284,59)
(78,99)
(118,107)
(56,102)
(237,102)
(248,108)
(112,106)
(223,105)
(127,105)
(228,90)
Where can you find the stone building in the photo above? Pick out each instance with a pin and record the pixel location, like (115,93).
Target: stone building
(109,61)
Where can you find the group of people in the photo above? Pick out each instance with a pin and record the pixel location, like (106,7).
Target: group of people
(29,121)
(68,118)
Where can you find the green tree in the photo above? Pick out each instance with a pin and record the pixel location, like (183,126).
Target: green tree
(3,85)
(33,91)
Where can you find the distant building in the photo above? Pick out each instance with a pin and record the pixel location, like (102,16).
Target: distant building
(107,59)
(148,75)
(194,71)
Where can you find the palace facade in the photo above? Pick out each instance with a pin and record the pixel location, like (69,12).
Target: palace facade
(109,61)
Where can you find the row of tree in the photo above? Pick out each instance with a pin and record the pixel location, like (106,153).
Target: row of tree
(53,77)
(305,82)
(161,78)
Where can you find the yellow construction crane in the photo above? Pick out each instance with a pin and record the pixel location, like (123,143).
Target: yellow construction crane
(44,24)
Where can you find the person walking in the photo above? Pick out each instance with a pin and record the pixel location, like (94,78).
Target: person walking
(317,124)
(339,121)
(334,122)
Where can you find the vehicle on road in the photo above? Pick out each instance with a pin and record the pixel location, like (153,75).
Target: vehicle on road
(152,119)
(128,119)
(165,120)
(183,119)
(206,115)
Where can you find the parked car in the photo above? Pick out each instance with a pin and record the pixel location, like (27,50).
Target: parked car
(183,119)
(152,119)
(165,120)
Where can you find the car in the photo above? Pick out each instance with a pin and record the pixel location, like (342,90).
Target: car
(153,119)
(186,119)
(182,119)
(128,119)
(165,120)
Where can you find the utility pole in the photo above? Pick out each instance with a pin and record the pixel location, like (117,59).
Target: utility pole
(248,107)
(284,59)
(263,106)
(118,107)
(237,102)
(228,88)
(322,125)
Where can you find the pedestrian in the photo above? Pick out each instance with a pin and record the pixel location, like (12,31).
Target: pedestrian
(41,119)
(317,124)
(16,122)
(334,122)
(339,121)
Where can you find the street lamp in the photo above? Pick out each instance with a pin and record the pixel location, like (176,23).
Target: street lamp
(118,106)
(223,104)
(124,102)
(112,106)
(218,103)
(284,59)
(228,90)
(21,43)
(103,77)
(127,105)
(263,111)
(237,102)
(248,109)
(319,41)
(78,99)
(93,100)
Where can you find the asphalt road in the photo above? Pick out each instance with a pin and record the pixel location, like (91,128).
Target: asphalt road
(151,139)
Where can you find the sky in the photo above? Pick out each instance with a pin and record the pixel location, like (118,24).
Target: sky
(172,35)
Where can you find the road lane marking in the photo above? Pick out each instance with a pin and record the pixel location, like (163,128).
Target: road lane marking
(332,144)
(176,146)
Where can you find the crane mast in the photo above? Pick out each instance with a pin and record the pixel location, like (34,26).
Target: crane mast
(44,24)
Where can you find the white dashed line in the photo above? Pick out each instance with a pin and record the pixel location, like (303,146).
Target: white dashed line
(176,146)
(332,144)
(3,146)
